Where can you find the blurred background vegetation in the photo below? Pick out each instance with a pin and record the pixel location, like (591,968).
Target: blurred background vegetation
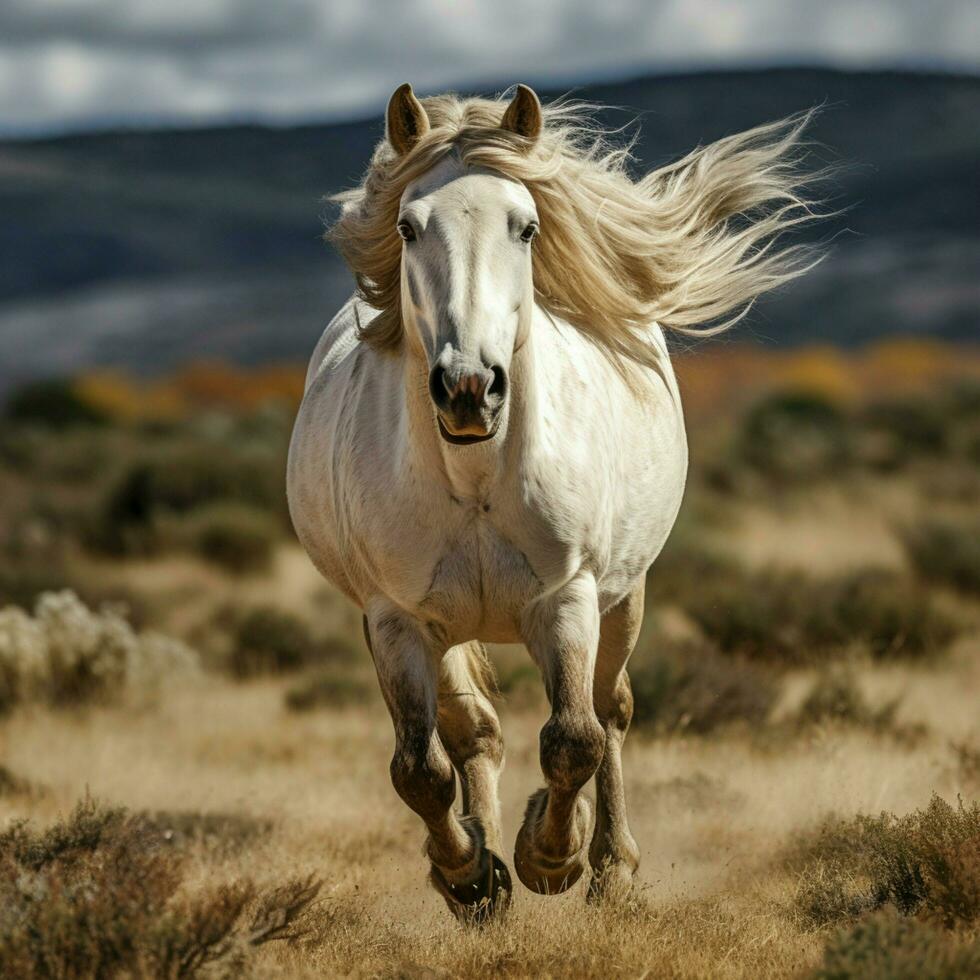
(139,492)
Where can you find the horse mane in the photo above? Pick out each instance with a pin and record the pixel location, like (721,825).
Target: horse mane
(690,245)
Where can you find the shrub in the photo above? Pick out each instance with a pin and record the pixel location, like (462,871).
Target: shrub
(759,615)
(836,697)
(791,436)
(887,613)
(331,687)
(53,404)
(829,893)
(225,833)
(946,552)
(102,894)
(790,617)
(693,687)
(237,537)
(67,654)
(889,947)
(518,678)
(967,761)
(179,478)
(145,504)
(834,842)
(13,785)
(24,578)
(898,429)
(75,455)
(963,399)
(21,582)
(268,640)
(687,569)
(927,861)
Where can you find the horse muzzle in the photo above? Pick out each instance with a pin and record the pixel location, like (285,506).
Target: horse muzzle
(468,404)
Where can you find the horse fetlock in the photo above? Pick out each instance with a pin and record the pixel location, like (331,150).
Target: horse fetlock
(462,864)
(477,890)
(614,848)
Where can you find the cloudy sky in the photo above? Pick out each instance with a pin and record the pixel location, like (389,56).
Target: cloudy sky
(79,63)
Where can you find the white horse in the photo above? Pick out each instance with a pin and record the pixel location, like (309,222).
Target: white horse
(491,445)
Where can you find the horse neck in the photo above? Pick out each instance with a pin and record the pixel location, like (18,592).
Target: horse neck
(470,473)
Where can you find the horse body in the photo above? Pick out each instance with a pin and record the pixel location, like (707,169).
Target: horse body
(466,538)
(491,446)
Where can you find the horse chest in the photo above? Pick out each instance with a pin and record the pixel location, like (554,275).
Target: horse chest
(479,585)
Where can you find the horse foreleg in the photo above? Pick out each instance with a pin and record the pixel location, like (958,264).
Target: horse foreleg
(463,870)
(470,730)
(613,853)
(562,634)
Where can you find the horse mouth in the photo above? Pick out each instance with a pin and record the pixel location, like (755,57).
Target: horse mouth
(466,439)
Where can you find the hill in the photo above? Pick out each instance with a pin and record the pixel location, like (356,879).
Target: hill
(150,248)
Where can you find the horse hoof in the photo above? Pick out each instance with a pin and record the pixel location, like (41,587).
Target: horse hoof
(541,872)
(476,902)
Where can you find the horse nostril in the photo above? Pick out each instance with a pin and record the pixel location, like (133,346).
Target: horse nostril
(499,384)
(439,386)
(477,388)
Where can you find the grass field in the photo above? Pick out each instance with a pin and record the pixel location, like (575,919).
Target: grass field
(811,654)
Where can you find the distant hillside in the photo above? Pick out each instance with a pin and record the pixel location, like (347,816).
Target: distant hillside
(151,248)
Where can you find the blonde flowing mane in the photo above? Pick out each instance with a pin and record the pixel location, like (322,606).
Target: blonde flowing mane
(689,245)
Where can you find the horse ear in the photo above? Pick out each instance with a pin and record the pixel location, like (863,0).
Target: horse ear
(406,120)
(523,115)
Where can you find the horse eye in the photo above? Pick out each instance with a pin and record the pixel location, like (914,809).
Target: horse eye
(406,231)
(529,232)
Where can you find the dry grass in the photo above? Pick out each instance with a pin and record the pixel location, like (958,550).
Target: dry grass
(888,947)
(309,793)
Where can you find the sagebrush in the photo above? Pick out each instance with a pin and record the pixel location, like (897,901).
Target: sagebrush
(67,653)
(104,894)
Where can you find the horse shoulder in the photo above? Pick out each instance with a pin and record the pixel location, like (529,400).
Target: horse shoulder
(323,441)
(608,472)
(339,338)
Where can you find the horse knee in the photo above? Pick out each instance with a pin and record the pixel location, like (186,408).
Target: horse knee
(423,776)
(571,749)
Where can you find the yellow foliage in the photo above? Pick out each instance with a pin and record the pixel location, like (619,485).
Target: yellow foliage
(713,378)
(917,363)
(129,400)
(198,386)
(722,378)
(823,370)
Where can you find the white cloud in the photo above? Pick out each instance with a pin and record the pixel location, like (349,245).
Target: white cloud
(77,62)
(963,33)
